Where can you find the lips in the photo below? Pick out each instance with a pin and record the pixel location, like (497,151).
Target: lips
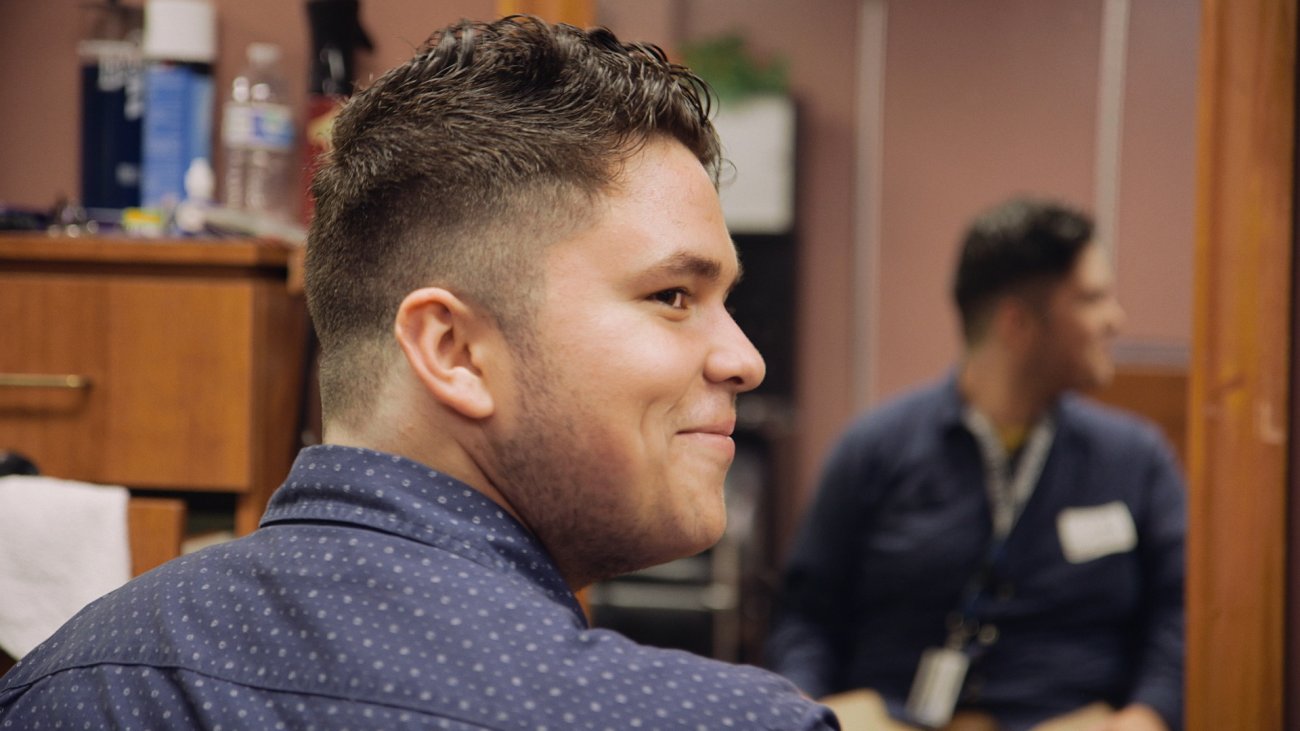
(722,428)
(714,439)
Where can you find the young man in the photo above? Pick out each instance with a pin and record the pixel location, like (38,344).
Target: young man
(518,270)
(993,545)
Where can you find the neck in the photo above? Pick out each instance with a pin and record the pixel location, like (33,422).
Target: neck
(1005,394)
(424,433)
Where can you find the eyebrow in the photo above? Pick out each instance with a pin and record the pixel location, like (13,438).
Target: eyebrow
(686,263)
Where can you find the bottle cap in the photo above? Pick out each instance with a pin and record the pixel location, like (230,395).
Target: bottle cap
(199,180)
(180,30)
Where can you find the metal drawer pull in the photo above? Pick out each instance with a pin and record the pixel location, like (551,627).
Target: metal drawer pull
(43,380)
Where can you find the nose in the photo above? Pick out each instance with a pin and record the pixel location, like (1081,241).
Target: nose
(733,360)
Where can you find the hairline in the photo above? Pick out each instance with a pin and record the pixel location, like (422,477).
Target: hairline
(1035,291)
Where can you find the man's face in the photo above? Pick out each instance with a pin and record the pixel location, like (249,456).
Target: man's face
(615,443)
(1082,317)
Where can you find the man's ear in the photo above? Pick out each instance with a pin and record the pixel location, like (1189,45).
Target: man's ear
(441,336)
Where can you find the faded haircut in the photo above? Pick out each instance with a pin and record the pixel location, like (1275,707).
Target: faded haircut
(456,168)
(1019,247)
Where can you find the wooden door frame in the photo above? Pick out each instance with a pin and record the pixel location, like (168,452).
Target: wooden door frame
(581,13)
(1239,397)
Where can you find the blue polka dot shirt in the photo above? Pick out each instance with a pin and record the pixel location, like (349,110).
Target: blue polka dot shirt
(376,594)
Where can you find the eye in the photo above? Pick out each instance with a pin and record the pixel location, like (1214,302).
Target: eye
(674,298)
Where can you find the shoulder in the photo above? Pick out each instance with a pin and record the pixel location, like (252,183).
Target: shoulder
(1123,452)
(886,443)
(660,684)
(1109,428)
(899,418)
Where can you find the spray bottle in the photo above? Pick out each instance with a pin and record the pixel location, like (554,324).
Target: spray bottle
(336,33)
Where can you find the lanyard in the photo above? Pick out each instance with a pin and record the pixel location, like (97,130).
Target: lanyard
(1009,487)
(1009,490)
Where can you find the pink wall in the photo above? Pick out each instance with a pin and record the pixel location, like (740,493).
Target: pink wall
(1158,174)
(980,103)
(39,123)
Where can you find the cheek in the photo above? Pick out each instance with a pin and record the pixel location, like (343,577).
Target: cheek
(628,349)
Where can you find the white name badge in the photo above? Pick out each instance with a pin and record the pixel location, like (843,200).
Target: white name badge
(937,686)
(1092,532)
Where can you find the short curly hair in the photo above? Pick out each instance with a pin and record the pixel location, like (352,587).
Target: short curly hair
(457,167)
(1015,248)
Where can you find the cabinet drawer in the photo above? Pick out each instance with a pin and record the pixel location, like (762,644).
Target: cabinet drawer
(168,363)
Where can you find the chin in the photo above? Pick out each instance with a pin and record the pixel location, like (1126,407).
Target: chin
(1091,379)
(709,539)
(697,532)
(1102,377)
(672,535)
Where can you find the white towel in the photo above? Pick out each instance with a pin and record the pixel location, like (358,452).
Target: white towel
(62,545)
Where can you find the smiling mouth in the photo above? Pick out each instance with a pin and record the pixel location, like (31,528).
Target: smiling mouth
(721,428)
(716,436)
(716,431)
(719,444)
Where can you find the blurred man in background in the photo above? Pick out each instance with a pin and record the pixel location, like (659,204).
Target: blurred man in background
(993,551)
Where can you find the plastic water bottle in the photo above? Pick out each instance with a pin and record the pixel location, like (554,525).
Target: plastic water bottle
(257,133)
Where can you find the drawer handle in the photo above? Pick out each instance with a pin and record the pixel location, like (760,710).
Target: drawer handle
(43,380)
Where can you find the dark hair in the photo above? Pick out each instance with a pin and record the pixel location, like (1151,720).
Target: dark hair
(1014,249)
(457,167)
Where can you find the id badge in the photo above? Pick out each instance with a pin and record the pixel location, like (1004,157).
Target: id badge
(937,686)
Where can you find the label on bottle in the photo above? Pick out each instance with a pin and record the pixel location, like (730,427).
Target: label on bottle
(177,128)
(258,126)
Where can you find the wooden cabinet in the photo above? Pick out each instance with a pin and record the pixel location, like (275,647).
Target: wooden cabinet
(173,365)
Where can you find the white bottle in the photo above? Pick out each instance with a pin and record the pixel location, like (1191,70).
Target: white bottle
(257,132)
(191,214)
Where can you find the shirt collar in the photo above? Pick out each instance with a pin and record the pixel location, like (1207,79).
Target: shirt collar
(952,407)
(393,494)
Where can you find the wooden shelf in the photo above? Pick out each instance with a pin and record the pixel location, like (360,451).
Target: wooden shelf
(234,252)
(187,358)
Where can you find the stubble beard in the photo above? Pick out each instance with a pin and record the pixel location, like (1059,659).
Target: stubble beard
(554,479)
